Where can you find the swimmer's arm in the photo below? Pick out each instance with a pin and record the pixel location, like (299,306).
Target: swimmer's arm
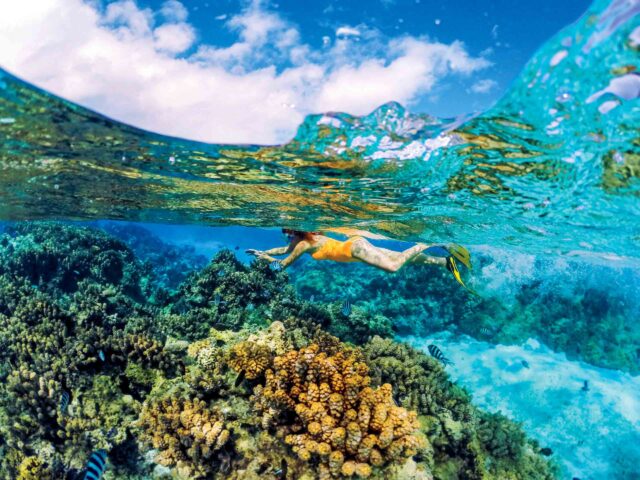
(266,254)
(279,250)
(300,248)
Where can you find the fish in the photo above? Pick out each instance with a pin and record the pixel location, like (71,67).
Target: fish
(216,299)
(64,401)
(438,355)
(546,451)
(237,247)
(487,331)
(312,298)
(101,355)
(346,308)
(239,378)
(275,266)
(585,386)
(281,473)
(96,465)
(525,364)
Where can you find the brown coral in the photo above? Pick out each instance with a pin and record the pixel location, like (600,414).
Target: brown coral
(188,435)
(349,427)
(250,358)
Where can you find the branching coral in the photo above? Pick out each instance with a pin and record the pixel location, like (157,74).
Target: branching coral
(419,381)
(250,358)
(339,420)
(187,434)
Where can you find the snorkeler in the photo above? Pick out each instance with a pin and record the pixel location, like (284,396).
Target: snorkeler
(359,249)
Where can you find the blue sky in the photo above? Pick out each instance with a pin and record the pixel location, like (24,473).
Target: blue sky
(250,70)
(512,29)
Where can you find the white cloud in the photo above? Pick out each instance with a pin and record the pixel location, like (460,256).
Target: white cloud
(134,65)
(347,32)
(174,11)
(173,37)
(484,86)
(494,32)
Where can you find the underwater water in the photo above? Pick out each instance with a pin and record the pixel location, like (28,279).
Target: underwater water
(138,339)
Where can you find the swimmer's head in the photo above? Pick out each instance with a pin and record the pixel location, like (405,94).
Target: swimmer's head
(294,235)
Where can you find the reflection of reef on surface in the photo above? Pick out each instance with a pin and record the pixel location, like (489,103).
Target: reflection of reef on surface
(89,362)
(570,311)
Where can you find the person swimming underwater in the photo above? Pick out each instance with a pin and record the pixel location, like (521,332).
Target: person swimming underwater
(358,249)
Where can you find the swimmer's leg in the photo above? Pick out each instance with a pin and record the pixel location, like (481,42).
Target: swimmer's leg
(423,259)
(387,260)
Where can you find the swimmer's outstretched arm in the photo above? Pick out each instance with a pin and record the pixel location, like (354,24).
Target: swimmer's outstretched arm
(300,248)
(279,250)
(266,254)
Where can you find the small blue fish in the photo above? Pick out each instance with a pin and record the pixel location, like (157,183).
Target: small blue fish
(216,299)
(486,332)
(346,308)
(585,386)
(312,298)
(438,355)
(101,355)
(276,266)
(64,402)
(96,465)
(525,364)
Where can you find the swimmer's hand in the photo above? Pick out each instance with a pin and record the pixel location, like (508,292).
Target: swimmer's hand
(260,255)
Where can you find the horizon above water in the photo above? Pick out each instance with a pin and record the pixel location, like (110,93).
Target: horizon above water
(141,340)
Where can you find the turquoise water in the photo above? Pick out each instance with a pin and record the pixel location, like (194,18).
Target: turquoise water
(543,189)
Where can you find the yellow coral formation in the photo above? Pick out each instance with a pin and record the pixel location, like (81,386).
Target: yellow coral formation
(31,468)
(250,358)
(187,434)
(349,427)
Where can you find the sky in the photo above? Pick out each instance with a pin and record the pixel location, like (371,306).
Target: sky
(248,71)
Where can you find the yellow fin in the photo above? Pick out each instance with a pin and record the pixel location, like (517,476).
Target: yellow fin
(453,268)
(460,253)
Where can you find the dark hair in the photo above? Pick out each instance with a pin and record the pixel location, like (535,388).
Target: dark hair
(299,233)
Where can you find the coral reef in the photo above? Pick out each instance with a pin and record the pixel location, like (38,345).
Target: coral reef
(419,381)
(187,434)
(228,295)
(569,311)
(340,420)
(249,358)
(95,360)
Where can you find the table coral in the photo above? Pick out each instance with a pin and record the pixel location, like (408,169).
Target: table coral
(338,419)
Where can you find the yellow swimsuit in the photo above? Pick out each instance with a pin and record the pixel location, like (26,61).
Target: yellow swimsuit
(335,250)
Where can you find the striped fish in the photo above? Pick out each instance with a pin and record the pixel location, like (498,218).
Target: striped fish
(438,355)
(346,308)
(64,401)
(486,332)
(96,465)
(275,266)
